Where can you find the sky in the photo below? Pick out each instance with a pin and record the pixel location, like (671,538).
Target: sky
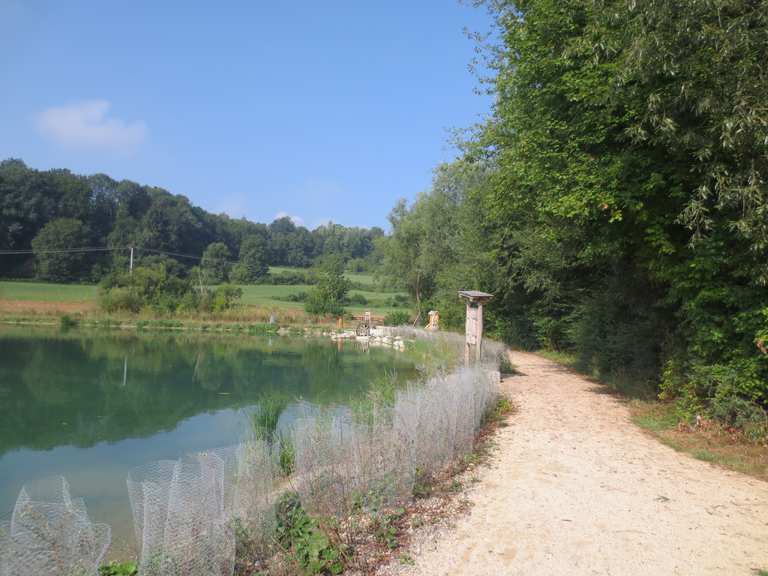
(317,110)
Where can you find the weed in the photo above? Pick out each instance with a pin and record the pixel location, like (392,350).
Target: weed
(385,529)
(287,459)
(655,416)
(499,411)
(705,455)
(301,536)
(422,484)
(407,560)
(118,569)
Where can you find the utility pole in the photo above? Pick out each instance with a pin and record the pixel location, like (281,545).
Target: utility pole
(130,264)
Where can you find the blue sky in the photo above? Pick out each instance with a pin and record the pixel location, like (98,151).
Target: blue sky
(319,110)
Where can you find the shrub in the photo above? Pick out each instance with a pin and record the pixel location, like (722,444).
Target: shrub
(289,278)
(397,318)
(66,322)
(330,293)
(226,297)
(358,299)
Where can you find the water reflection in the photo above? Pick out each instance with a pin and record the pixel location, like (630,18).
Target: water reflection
(93,405)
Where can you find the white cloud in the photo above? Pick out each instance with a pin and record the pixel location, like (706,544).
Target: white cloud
(86,125)
(297,220)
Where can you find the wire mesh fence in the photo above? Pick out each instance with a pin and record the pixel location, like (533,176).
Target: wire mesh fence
(188,513)
(50,533)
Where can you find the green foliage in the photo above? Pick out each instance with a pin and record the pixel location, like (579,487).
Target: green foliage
(224,297)
(615,202)
(67,322)
(385,527)
(252,265)
(118,569)
(286,455)
(397,318)
(358,299)
(328,296)
(52,262)
(215,264)
(307,544)
(157,289)
(289,278)
(123,214)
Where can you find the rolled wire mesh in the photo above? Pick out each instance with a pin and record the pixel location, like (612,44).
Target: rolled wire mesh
(182,512)
(50,533)
(255,491)
(185,511)
(341,462)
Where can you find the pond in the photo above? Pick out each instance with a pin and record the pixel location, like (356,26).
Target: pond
(93,405)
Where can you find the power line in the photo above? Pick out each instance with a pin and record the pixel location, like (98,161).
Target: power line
(106,249)
(61,251)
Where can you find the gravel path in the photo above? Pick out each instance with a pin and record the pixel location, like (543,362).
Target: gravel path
(575,488)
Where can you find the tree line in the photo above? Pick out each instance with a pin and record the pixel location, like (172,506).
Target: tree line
(615,201)
(51,212)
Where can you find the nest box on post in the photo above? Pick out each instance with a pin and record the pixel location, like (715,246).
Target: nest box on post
(474,328)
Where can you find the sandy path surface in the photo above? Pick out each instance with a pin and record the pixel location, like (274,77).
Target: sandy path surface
(575,488)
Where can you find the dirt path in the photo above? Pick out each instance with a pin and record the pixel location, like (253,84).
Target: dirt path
(575,488)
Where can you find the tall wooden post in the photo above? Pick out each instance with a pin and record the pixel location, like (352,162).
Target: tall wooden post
(473,345)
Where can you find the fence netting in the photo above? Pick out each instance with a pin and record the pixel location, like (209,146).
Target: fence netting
(50,533)
(189,514)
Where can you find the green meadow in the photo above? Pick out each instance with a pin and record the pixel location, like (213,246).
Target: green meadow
(379,300)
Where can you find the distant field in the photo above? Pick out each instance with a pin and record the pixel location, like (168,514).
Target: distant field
(269,296)
(357,277)
(43,292)
(263,296)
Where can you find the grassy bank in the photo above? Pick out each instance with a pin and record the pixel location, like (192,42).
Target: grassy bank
(705,440)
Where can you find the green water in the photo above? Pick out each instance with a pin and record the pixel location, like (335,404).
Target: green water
(93,405)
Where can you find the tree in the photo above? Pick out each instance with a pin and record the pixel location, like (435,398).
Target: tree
(215,263)
(252,265)
(327,297)
(53,247)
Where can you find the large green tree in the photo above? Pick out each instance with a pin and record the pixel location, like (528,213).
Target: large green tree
(252,265)
(215,264)
(58,255)
(328,296)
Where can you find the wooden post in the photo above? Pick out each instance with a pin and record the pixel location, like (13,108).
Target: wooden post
(474,324)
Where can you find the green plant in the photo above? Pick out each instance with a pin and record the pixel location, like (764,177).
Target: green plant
(397,318)
(287,458)
(118,569)
(66,322)
(422,484)
(407,560)
(385,529)
(302,538)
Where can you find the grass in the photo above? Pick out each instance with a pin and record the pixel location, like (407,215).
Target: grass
(23,297)
(40,291)
(709,442)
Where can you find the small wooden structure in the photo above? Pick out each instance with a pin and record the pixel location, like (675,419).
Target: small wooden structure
(364,326)
(434,320)
(474,324)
